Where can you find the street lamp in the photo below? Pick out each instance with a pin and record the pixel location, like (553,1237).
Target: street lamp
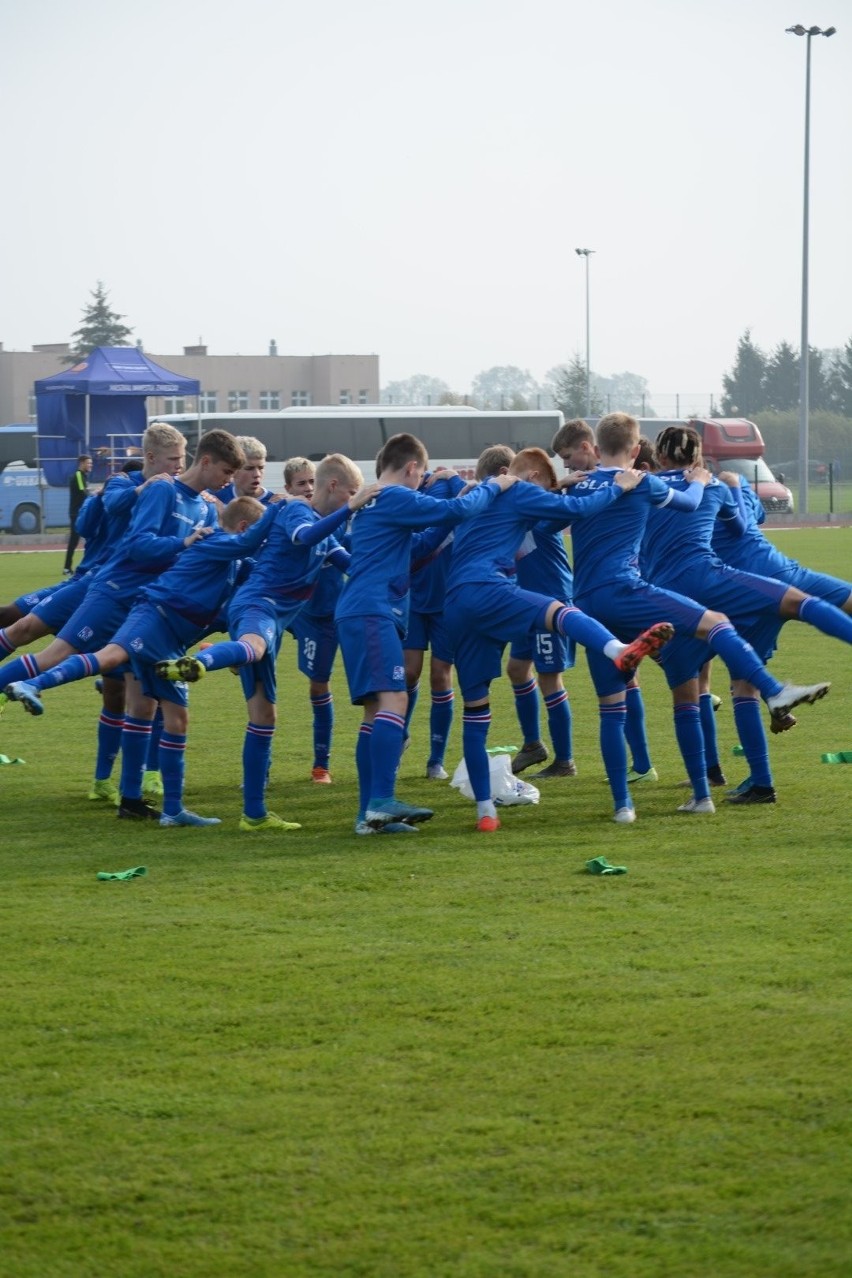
(586,253)
(804,380)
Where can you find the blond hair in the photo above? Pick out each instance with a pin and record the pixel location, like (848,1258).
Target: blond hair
(336,466)
(493,460)
(253,448)
(160,436)
(294,465)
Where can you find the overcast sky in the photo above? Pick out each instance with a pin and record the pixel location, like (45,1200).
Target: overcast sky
(412,179)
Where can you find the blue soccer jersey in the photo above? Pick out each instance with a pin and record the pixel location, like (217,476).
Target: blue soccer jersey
(164,515)
(677,542)
(229,493)
(194,590)
(486,550)
(297,546)
(606,547)
(380,572)
(429,568)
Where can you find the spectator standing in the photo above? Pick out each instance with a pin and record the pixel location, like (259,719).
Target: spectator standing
(78,491)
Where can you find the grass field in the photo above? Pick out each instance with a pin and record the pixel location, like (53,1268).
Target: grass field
(451,1054)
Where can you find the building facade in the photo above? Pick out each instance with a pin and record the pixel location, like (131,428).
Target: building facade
(228,382)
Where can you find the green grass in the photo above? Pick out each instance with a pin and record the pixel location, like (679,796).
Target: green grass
(314,1054)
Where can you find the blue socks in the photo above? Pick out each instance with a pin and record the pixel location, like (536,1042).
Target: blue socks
(171,767)
(559,725)
(475,724)
(80,666)
(385,753)
(134,755)
(257,751)
(413,694)
(690,739)
(219,656)
(749,721)
(614,752)
(440,723)
(575,624)
(526,708)
(741,659)
(18,668)
(830,620)
(109,744)
(634,731)
(708,729)
(364,765)
(323,708)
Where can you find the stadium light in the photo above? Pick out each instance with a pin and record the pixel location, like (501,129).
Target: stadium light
(804,379)
(587,253)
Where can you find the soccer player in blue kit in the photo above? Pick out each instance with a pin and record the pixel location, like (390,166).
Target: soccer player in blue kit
(608,583)
(486,607)
(757,605)
(167,518)
(300,541)
(172,613)
(314,630)
(574,443)
(372,617)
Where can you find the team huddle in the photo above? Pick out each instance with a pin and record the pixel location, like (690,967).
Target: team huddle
(668,562)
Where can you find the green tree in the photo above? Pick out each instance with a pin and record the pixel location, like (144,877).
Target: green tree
(567,384)
(841,380)
(623,393)
(101,326)
(819,382)
(505,386)
(781,382)
(417,389)
(744,393)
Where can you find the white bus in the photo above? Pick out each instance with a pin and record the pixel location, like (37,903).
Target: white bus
(454,434)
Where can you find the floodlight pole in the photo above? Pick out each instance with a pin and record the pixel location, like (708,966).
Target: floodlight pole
(804,352)
(586,253)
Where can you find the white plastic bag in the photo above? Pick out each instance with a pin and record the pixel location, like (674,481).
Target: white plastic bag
(506,788)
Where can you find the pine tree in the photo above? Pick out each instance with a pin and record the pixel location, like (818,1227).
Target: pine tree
(841,380)
(568,383)
(781,383)
(101,326)
(744,386)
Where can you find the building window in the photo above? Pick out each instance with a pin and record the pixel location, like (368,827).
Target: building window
(300,399)
(237,400)
(270,400)
(173,405)
(31,408)
(345,397)
(207,402)
(363,397)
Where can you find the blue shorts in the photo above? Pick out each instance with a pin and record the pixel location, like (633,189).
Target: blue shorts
(56,608)
(372,656)
(550,652)
(26,603)
(316,641)
(428,630)
(98,618)
(832,589)
(627,608)
(480,621)
(148,636)
(265,619)
(744,597)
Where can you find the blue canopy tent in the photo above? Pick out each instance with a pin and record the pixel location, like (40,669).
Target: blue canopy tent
(99,404)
